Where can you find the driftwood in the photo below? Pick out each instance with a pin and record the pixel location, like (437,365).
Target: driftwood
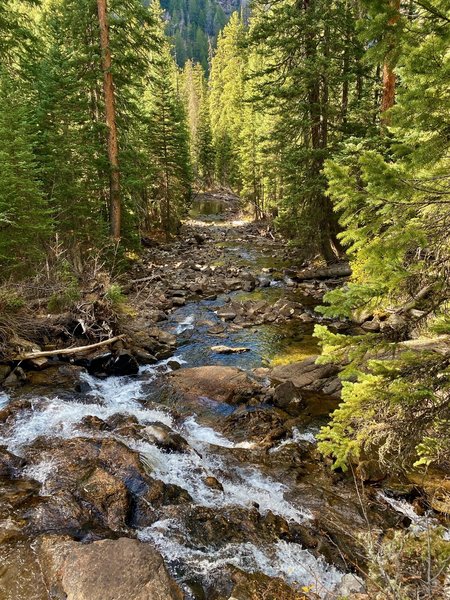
(65,351)
(337,270)
(439,344)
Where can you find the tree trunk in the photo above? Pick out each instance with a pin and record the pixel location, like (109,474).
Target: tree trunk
(389,78)
(110,113)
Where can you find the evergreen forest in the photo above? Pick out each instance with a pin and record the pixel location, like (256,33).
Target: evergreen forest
(225,299)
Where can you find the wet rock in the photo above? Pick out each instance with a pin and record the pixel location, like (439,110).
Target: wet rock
(223,384)
(165,438)
(145,509)
(163,336)
(143,357)
(10,464)
(94,423)
(58,376)
(108,495)
(213,483)
(15,378)
(226,315)
(21,575)
(206,526)
(89,485)
(256,586)
(260,424)
(216,330)
(174,365)
(122,363)
(177,301)
(264,281)
(105,570)
(288,396)
(233,284)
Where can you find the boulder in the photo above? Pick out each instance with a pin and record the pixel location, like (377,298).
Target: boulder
(287,396)
(62,375)
(258,586)
(165,438)
(10,464)
(223,384)
(121,363)
(121,569)
(15,378)
(309,376)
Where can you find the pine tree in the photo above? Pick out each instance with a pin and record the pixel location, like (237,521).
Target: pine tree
(393,195)
(226,101)
(195,95)
(301,86)
(168,140)
(24,218)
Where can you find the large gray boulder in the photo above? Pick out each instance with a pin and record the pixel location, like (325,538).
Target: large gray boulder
(121,569)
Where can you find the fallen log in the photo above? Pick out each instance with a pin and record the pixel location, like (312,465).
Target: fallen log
(66,351)
(439,344)
(337,270)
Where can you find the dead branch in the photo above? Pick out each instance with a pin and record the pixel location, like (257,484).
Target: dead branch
(65,351)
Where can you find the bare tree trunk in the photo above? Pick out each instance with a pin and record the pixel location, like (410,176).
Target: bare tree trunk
(389,78)
(110,113)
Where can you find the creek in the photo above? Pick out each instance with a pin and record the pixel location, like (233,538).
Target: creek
(256,517)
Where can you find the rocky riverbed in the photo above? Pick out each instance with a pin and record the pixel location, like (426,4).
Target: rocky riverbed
(183,463)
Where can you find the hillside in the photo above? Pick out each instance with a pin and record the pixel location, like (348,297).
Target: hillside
(194,26)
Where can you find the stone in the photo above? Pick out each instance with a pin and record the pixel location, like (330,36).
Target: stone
(177,301)
(58,375)
(213,483)
(165,438)
(229,349)
(371,326)
(287,394)
(223,384)
(216,330)
(258,586)
(121,363)
(121,569)
(10,464)
(5,370)
(226,315)
(306,374)
(15,378)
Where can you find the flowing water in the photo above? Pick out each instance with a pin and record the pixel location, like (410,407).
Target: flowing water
(212,453)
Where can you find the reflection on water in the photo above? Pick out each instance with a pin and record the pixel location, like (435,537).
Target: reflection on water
(207,207)
(274,343)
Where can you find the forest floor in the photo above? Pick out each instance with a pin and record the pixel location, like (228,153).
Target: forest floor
(193,436)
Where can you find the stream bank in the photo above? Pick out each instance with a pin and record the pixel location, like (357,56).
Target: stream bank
(205,458)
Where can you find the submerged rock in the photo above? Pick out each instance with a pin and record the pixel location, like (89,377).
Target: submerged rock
(105,570)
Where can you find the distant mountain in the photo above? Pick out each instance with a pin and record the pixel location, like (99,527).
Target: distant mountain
(194,26)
